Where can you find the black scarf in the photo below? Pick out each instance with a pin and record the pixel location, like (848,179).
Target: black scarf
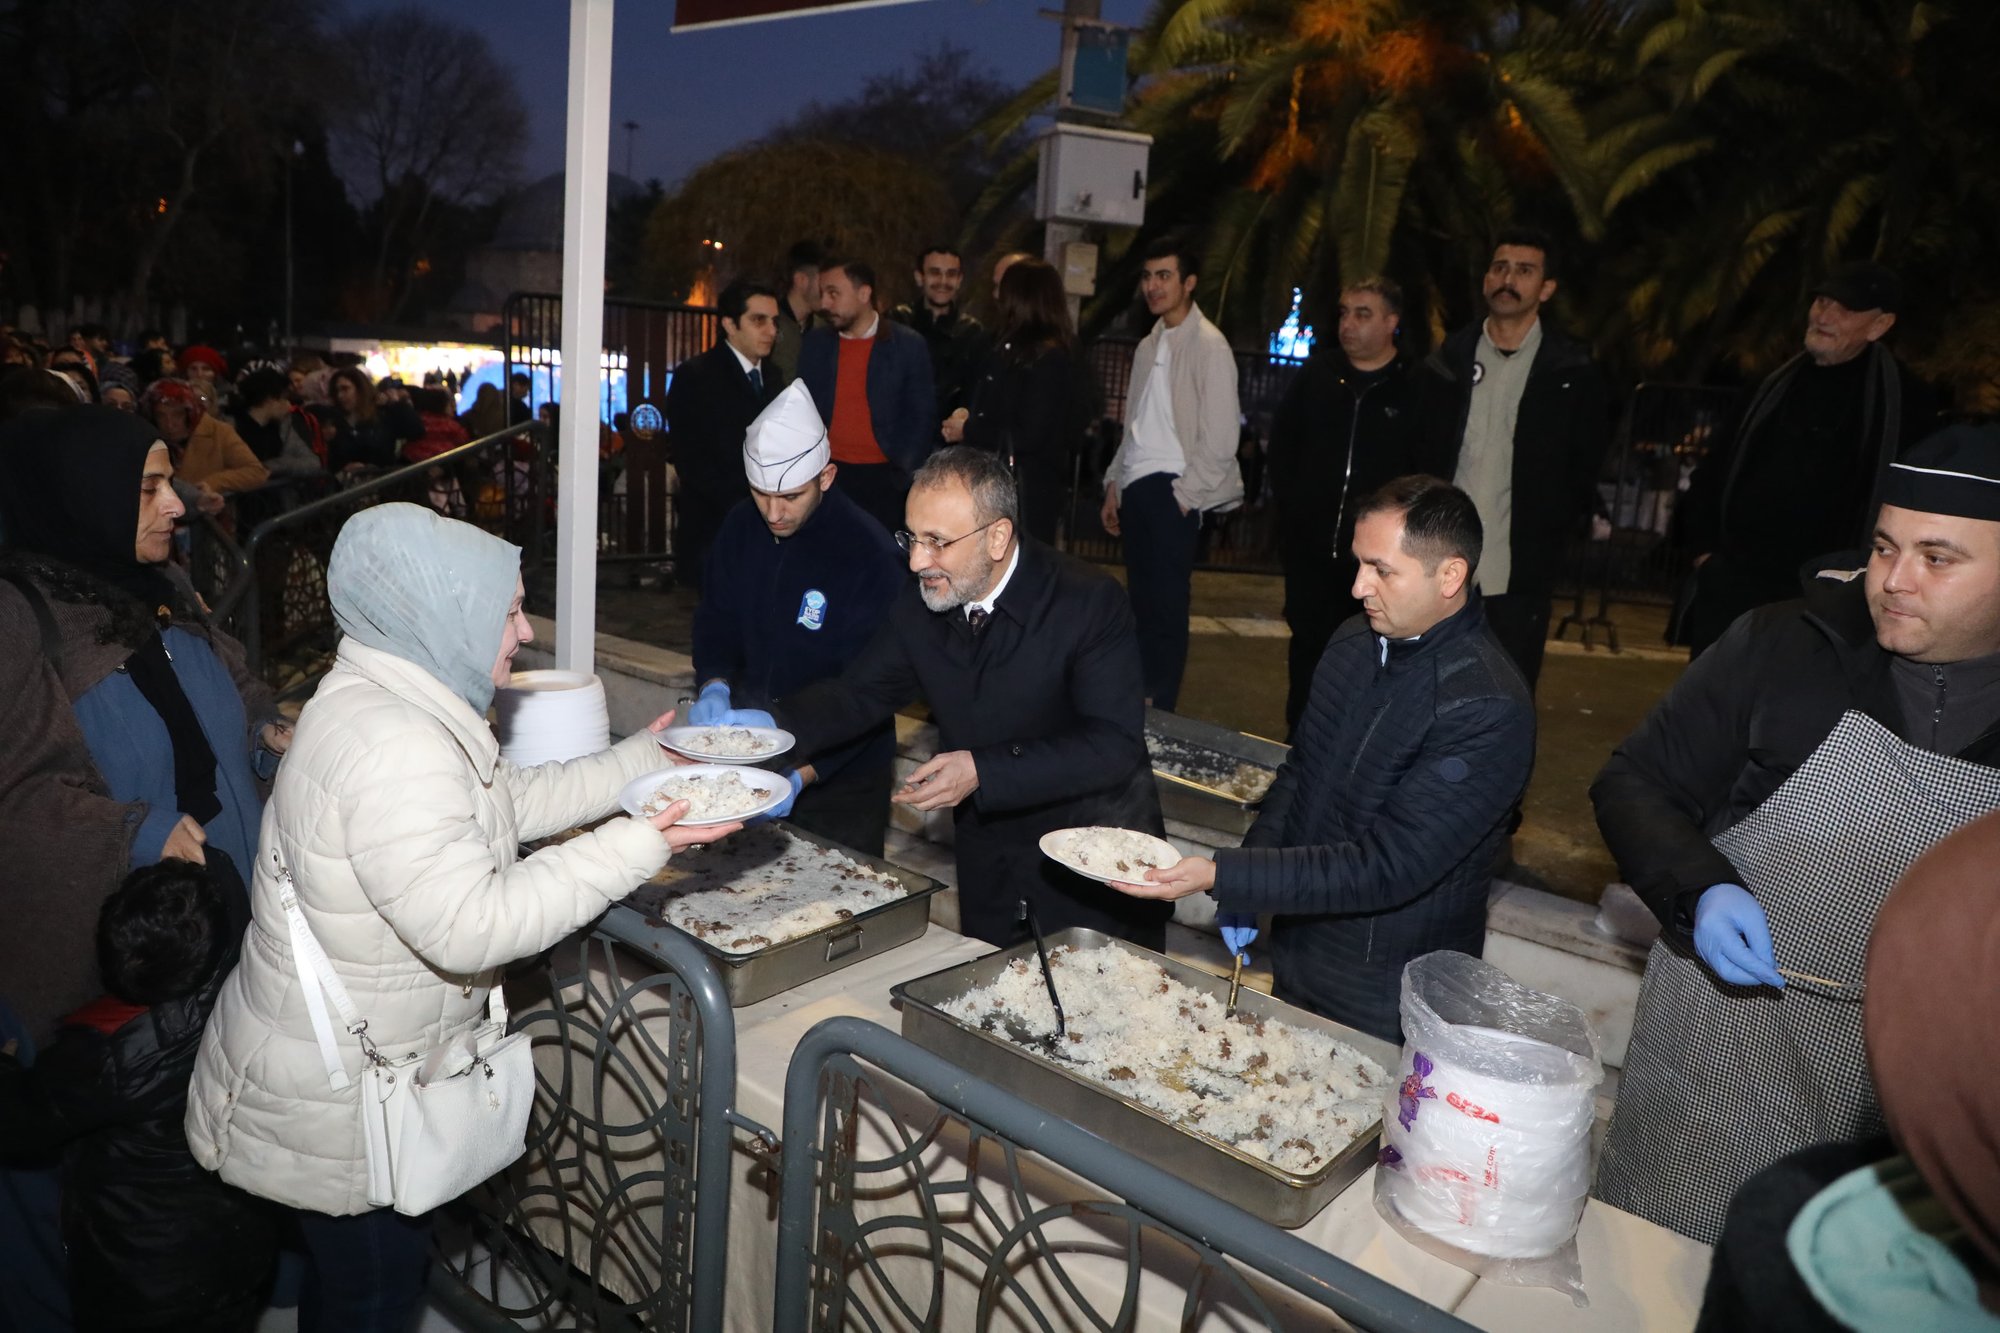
(69,491)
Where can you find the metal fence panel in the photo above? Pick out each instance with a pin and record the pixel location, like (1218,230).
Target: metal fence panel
(643,342)
(1633,555)
(272,588)
(618,1216)
(840,1231)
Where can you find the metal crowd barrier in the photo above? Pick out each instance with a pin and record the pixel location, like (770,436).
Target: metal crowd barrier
(270,591)
(618,1216)
(1664,433)
(826,1245)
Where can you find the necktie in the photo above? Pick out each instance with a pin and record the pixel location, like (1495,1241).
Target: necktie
(976,618)
(757,379)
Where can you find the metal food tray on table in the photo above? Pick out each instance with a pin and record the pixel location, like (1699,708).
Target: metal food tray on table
(1192,802)
(750,977)
(1281,1197)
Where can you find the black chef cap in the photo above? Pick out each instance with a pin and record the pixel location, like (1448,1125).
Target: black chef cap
(1956,471)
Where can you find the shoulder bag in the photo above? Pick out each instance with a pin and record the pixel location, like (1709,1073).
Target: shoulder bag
(435,1123)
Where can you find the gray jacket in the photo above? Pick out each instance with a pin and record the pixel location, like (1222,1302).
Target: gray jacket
(1207,416)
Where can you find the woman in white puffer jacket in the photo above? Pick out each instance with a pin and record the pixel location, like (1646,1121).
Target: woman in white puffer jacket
(401,824)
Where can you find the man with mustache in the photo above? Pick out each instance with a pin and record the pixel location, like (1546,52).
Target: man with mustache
(1765,808)
(1811,453)
(1030,666)
(1514,413)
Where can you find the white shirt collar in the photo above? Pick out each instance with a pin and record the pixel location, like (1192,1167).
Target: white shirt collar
(1385,642)
(871,328)
(986,603)
(742,360)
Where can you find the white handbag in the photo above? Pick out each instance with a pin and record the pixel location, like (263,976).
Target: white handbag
(435,1123)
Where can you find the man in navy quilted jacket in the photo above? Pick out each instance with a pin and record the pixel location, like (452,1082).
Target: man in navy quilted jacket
(1379,835)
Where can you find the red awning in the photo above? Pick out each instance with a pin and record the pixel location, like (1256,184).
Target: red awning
(714,13)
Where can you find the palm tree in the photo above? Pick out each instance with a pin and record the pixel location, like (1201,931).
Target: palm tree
(1315,140)
(1766,141)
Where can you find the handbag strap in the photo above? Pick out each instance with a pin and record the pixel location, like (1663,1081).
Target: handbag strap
(45,622)
(319,981)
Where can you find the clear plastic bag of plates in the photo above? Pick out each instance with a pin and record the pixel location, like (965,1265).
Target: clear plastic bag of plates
(1486,1137)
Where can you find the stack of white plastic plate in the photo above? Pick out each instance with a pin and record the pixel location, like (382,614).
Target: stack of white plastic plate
(551,715)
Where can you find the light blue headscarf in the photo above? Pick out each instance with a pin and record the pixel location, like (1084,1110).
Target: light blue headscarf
(428,589)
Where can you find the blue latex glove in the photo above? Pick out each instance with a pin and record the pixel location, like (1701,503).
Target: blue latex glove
(748,717)
(1239,929)
(1732,936)
(711,707)
(784,807)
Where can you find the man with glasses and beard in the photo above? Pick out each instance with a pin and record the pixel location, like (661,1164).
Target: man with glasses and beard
(1029,664)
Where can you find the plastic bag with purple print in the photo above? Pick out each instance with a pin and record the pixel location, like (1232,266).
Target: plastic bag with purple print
(1486,1140)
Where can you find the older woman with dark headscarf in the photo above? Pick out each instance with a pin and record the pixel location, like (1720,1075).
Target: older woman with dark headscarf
(401,825)
(1900,1234)
(131,721)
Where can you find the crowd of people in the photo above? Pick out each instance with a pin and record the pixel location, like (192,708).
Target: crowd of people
(865,500)
(268,428)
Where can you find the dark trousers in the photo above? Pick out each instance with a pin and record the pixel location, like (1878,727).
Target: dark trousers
(34,1286)
(879,488)
(696,522)
(366,1273)
(852,809)
(1159,568)
(1520,621)
(1318,600)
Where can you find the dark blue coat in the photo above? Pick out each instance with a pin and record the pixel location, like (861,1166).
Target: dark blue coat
(902,399)
(755,629)
(1377,840)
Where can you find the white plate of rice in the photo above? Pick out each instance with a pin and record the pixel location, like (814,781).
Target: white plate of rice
(727,744)
(716,793)
(1108,854)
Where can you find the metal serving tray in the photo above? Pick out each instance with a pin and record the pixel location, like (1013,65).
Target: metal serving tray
(1278,1196)
(750,977)
(1190,801)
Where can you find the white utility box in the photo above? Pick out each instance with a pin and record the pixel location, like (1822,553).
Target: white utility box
(1091,175)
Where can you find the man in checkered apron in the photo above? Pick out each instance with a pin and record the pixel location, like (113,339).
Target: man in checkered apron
(1764,810)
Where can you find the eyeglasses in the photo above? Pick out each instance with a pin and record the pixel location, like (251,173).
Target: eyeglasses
(910,541)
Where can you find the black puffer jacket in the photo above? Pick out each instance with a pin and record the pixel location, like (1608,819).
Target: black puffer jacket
(153,1240)
(1377,840)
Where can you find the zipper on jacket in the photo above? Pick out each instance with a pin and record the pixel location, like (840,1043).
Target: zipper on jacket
(1347,481)
(1937,709)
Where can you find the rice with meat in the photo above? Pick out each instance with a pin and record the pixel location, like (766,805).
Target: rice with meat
(762,887)
(1287,1095)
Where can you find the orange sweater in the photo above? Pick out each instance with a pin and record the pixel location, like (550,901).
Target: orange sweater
(851,433)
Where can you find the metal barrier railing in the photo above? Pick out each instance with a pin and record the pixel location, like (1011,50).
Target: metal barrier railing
(1664,433)
(835,1227)
(274,598)
(618,1216)
(1244,539)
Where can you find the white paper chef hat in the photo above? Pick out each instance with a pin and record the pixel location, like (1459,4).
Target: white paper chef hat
(786,445)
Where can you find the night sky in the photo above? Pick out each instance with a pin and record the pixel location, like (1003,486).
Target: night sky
(697,94)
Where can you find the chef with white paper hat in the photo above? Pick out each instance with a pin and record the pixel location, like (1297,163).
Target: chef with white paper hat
(797,582)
